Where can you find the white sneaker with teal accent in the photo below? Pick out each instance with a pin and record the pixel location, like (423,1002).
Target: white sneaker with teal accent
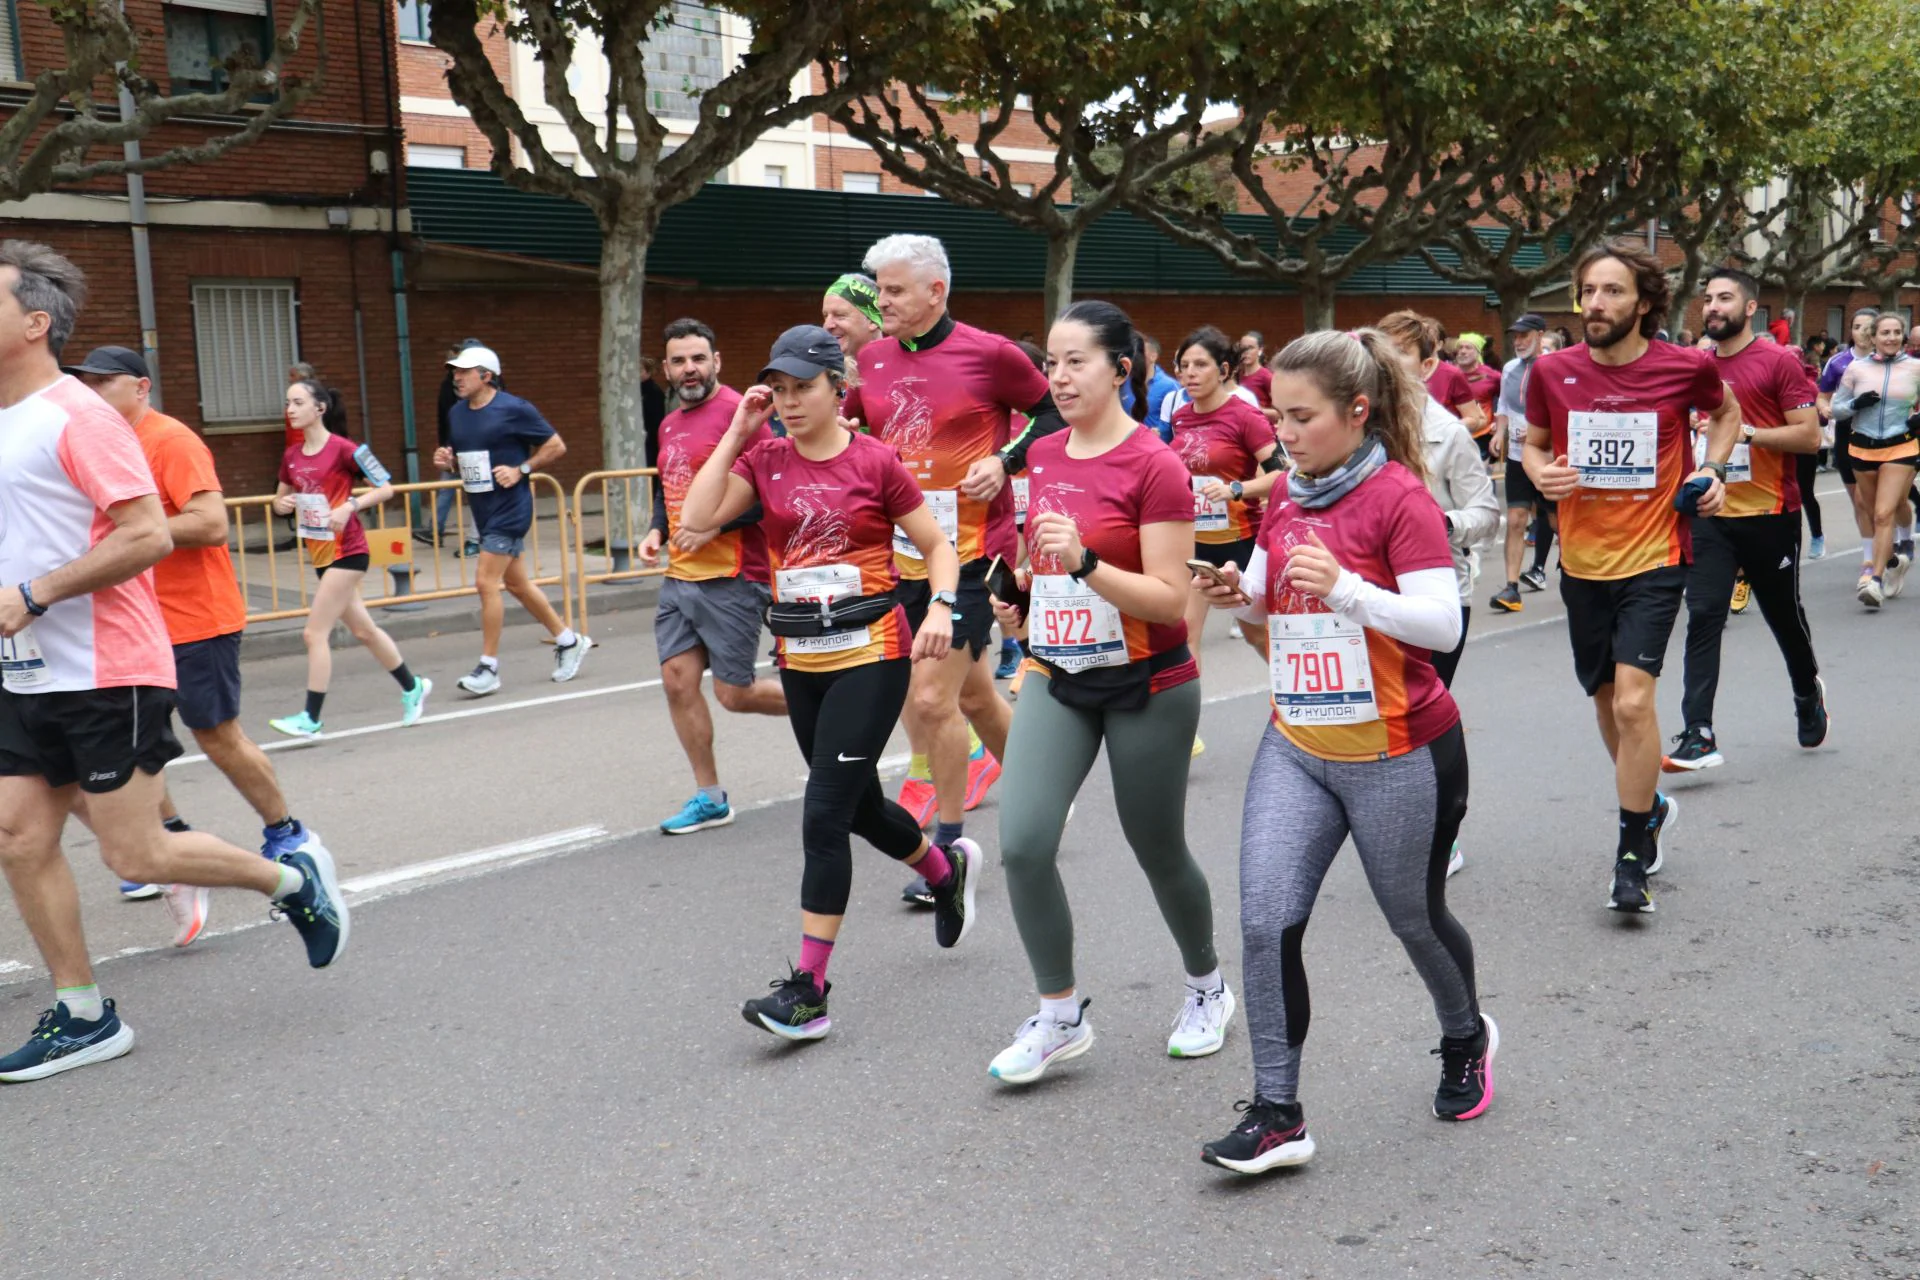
(413,703)
(300,726)
(1201,1025)
(1039,1044)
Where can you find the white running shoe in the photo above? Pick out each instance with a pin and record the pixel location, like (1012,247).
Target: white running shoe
(1201,1025)
(187,904)
(1039,1044)
(566,662)
(1455,861)
(481,681)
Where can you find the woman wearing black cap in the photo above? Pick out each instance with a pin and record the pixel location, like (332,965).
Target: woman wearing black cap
(831,498)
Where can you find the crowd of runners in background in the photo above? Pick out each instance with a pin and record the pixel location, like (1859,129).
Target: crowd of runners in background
(933,521)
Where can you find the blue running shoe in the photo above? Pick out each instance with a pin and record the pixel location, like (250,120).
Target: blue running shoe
(318,909)
(1009,661)
(276,843)
(135,891)
(62,1042)
(698,814)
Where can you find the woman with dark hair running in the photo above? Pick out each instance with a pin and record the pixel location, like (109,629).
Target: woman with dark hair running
(1109,530)
(831,497)
(1350,594)
(317,477)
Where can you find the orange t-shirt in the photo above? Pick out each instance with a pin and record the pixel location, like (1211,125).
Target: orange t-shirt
(199,597)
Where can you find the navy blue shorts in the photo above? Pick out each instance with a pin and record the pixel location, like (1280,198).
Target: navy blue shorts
(208,672)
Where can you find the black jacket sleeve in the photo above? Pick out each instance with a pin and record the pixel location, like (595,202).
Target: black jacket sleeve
(1042,420)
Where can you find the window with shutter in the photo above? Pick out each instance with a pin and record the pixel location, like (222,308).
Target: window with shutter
(202,35)
(246,333)
(10,68)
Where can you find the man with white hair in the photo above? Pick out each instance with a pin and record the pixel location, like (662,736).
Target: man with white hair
(943,394)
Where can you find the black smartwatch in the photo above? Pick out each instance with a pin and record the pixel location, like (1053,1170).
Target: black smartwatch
(1088,563)
(948,599)
(1236,490)
(1718,469)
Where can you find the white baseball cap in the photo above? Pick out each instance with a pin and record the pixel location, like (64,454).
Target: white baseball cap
(476,358)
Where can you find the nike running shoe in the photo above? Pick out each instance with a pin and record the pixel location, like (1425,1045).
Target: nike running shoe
(135,891)
(317,908)
(414,701)
(1817,547)
(698,814)
(1200,1028)
(1666,812)
(1009,661)
(953,901)
(1534,579)
(918,799)
(300,726)
(61,1042)
(1039,1044)
(1466,1073)
(567,659)
(1456,861)
(1742,597)
(982,772)
(1630,885)
(481,681)
(917,892)
(1810,715)
(1696,749)
(274,842)
(1870,592)
(1507,599)
(187,904)
(797,1009)
(1270,1135)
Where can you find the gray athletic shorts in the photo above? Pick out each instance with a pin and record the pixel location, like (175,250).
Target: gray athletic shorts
(721,615)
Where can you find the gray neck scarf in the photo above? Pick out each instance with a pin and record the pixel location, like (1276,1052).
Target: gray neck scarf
(1315,492)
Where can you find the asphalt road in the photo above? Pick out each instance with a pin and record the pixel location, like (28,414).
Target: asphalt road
(532,1064)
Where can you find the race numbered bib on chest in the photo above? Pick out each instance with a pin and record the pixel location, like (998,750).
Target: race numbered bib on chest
(476,470)
(1516,435)
(315,515)
(1739,465)
(1614,450)
(1208,516)
(22,665)
(1073,626)
(1022,487)
(1320,669)
(821,584)
(945,505)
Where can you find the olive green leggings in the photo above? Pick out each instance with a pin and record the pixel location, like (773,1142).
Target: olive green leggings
(1050,751)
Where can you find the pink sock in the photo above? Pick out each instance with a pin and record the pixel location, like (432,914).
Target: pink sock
(935,867)
(814,954)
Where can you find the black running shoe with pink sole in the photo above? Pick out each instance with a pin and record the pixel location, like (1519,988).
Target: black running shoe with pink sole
(1270,1135)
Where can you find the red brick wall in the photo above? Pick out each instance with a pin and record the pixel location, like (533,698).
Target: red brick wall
(422,72)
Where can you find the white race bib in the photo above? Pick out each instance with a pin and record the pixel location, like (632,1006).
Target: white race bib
(476,471)
(1516,436)
(22,665)
(1320,669)
(1739,466)
(1021,488)
(945,505)
(820,584)
(315,514)
(1614,450)
(1208,516)
(1073,626)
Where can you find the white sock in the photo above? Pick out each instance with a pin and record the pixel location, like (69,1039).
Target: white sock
(566,639)
(82,1002)
(1903,533)
(291,882)
(1866,554)
(1206,982)
(1066,1009)
(491,664)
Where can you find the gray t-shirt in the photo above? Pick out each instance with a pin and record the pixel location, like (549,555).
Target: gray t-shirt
(1513,397)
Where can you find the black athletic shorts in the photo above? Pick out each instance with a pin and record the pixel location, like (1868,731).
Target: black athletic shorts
(1520,490)
(1628,620)
(352,564)
(95,737)
(1218,553)
(973,623)
(209,676)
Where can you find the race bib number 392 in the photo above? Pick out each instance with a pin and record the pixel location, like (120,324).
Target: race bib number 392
(1614,450)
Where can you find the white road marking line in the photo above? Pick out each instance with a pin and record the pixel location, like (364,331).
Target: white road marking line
(555,842)
(14,966)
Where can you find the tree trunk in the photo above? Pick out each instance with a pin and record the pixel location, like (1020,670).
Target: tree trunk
(623,274)
(1797,303)
(1515,299)
(1889,295)
(1063,251)
(1316,303)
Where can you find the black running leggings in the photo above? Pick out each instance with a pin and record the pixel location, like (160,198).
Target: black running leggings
(1806,468)
(842,720)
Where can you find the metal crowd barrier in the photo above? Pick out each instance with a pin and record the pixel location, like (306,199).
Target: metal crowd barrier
(403,572)
(626,511)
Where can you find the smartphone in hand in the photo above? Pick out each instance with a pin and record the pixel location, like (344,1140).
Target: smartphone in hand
(1003,584)
(1218,578)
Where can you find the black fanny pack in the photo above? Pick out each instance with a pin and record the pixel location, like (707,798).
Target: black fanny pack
(808,619)
(1110,688)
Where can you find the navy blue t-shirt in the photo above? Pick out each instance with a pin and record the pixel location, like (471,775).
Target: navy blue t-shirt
(502,434)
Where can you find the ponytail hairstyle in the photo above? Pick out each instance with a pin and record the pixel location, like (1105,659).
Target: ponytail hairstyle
(1211,341)
(333,414)
(1366,362)
(1114,333)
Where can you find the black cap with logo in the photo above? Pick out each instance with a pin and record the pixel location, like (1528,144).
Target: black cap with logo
(107,361)
(805,351)
(1528,323)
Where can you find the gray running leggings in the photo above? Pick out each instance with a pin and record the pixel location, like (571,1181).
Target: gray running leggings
(1050,751)
(1403,815)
